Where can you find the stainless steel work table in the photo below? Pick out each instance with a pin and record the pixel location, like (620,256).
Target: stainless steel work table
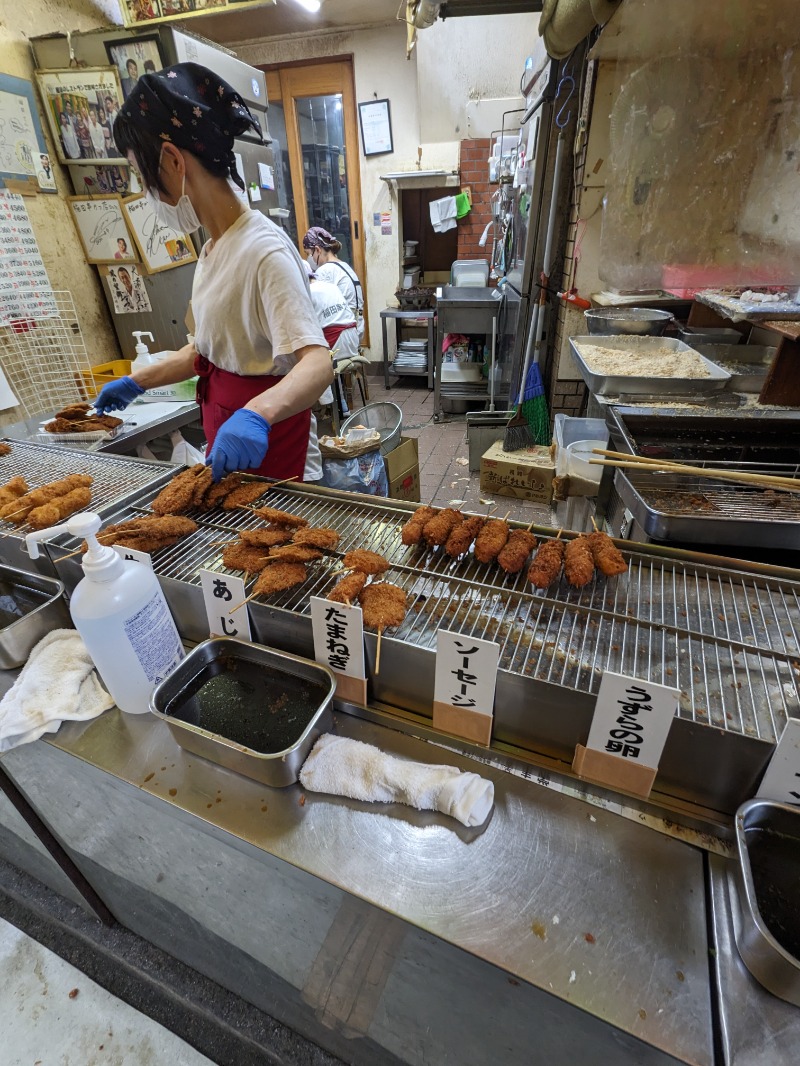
(560,933)
(129,437)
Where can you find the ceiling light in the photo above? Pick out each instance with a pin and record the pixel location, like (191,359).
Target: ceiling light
(310,5)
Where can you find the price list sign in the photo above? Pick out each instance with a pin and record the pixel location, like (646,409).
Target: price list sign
(25,290)
(224,597)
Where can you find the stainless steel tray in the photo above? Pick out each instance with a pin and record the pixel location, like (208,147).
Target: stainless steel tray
(746,363)
(768,839)
(703,511)
(42,600)
(223,655)
(629,385)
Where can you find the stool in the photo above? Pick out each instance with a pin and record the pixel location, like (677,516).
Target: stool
(347,373)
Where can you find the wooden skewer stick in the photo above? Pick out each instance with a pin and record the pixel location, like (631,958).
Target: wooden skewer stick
(765,481)
(505,516)
(530,525)
(286,480)
(378,653)
(595,525)
(252,596)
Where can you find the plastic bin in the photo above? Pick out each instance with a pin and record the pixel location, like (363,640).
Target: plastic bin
(472,273)
(100,375)
(570,430)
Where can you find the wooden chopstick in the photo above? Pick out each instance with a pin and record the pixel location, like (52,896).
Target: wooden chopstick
(765,481)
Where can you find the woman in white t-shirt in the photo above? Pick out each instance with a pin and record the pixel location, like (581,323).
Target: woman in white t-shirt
(250,296)
(324,261)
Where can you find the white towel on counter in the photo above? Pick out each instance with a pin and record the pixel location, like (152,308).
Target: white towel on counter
(58,683)
(443,214)
(345,767)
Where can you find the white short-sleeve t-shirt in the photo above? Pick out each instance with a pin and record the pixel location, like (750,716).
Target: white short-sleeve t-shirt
(250,298)
(346,281)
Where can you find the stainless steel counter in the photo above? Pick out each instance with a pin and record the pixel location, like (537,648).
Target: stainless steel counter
(139,428)
(586,933)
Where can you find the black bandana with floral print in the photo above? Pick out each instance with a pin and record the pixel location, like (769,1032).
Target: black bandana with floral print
(195,109)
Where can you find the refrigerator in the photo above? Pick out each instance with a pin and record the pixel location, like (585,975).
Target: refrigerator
(529,202)
(169,291)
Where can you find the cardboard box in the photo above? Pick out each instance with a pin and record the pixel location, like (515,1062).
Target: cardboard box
(525,475)
(402,470)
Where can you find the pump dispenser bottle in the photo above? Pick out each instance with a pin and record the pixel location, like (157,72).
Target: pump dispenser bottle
(121,614)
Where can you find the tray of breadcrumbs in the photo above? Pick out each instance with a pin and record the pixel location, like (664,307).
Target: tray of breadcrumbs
(645,366)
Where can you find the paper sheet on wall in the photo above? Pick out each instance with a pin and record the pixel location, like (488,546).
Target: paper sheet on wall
(25,289)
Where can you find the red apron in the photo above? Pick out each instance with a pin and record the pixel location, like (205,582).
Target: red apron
(220,393)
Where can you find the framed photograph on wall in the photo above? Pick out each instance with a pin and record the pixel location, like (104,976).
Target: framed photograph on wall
(111,180)
(134,11)
(102,229)
(133,57)
(375,119)
(80,104)
(160,247)
(127,289)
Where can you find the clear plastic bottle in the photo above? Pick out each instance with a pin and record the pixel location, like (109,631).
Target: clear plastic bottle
(121,614)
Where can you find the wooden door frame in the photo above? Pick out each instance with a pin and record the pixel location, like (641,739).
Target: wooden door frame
(323,77)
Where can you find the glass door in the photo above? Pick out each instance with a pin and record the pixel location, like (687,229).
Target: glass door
(312,117)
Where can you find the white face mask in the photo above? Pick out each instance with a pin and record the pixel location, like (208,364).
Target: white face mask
(311,261)
(182,217)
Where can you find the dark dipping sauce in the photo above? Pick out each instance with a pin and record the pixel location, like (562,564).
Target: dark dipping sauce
(256,706)
(16,601)
(775,865)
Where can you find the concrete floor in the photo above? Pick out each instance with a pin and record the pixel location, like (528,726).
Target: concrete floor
(54,1014)
(445,479)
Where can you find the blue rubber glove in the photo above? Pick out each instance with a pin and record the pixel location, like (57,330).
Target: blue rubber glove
(116,395)
(240,444)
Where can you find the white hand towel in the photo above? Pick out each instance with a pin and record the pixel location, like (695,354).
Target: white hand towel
(443,214)
(345,767)
(57,684)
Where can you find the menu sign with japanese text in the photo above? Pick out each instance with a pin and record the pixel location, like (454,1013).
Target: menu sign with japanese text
(632,719)
(221,593)
(338,636)
(466,672)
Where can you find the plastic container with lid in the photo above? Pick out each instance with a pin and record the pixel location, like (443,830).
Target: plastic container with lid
(472,273)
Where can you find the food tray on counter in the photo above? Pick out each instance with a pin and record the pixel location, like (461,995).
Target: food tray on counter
(117,479)
(696,510)
(725,637)
(640,385)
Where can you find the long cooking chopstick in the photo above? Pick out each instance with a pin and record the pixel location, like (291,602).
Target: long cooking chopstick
(765,481)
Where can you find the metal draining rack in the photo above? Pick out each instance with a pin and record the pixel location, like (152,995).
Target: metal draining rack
(116,479)
(728,639)
(677,497)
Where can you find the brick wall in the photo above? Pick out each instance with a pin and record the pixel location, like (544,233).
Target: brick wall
(474,172)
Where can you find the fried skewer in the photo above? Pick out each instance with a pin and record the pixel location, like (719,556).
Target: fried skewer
(366,561)
(491,540)
(546,565)
(461,538)
(275,578)
(279,518)
(578,562)
(438,529)
(317,537)
(347,588)
(178,495)
(516,551)
(13,489)
(50,514)
(608,559)
(411,533)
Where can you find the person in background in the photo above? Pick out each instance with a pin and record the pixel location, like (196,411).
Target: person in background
(112,107)
(97,135)
(84,134)
(72,150)
(324,261)
(149,66)
(107,137)
(250,296)
(133,76)
(122,249)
